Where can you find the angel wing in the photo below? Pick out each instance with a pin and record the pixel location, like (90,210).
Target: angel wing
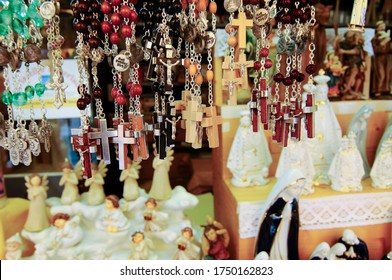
(78,170)
(45,182)
(169,156)
(102,169)
(27,183)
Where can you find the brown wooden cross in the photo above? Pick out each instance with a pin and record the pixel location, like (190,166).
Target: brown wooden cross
(140,150)
(242,23)
(81,143)
(192,114)
(211,122)
(123,139)
(309,111)
(103,134)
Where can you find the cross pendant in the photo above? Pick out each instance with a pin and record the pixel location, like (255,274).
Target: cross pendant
(277,122)
(296,113)
(309,110)
(211,122)
(123,139)
(192,115)
(254,110)
(243,66)
(242,23)
(140,149)
(263,101)
(103,134)
(159,134)
(287,121)
(81,143)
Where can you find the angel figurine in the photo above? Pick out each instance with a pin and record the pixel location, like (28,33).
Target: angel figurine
(96,194)
(141,246)
(249,157)
(215,241)
(70,181)
(381,171)
(68,232)
(14,247)
(187,248)
(112,219)
(161,188)
(153,220)
(37,219)
(346,169)
(129,176)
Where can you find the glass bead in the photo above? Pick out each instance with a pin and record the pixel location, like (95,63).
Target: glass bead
(19,99)
(17,25)
(29,90)
(3,29)
(39,89)
(6,97)
(6,17)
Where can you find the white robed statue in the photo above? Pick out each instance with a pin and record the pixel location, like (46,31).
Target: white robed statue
(346,171)
(381,172)
(249,157)
(328,132)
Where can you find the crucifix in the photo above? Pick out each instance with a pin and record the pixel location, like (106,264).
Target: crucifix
(81,143)
(169,122)
(102,133)
(169,61)
(309,110)
(297,115)
(57,84)
(287,121)
(159,134)
(123,139)
(153,48)
(211,122)
(243,65)
(230,80)
(242,23)
(140,149)
(192,115)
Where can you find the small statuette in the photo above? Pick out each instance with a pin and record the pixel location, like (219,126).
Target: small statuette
(47,10)
(260,17)
(232,5)
(121,63)
(210,40)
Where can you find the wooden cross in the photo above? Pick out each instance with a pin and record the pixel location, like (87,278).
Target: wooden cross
(242,23)
(230,80)
(276,122)
(140,137)
(192,115)
(253,110)
(309,110)
(123,139)
(243,66)
(181,105)
(81,143)
(296,112)
(287,121)
(103,134)
(211,122)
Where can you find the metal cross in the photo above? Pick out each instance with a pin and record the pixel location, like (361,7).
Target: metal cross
(123,139)
(103,134)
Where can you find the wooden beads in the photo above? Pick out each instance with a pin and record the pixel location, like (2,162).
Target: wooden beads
(187,62)
(232,41)
(199,79)
(209,75)
(192,69)
(213,8)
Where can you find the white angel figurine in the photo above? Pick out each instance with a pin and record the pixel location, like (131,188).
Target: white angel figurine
(96,194)
(112,219)
(161,188)
(337,252)
(70,182)
(346,169)
(296,156)
(321,252)
(140,246)
(129,176)
(68,232)
(14,247)
(249,157)
(187,248)
(154,220)
(37,219)
(381,172)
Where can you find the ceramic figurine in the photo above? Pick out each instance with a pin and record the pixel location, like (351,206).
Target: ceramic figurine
(381,171)
(249,157)
(387,256)
(154,220)
(328,133)
(161,188)
(112,219)
(141,246)
(346,169)
(68,232)
(37,219)
(356,248)
(187,249)
(278,231)
(129,176)
(358,126)
(335,71)
(337,252)
(215,241)
(14,247)
(70,181)
(381,44)
(387,134)
(321,252)
(297,155)
(96,194)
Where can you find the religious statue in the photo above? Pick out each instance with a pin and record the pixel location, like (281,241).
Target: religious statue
(321,252)
(356,248)
(346,171)
(328,133)
(249,157)
(96,194)
(358,126)
(14,247)
(381,44)
(352,55)
(381,171)
(278,231)
(337,252)
(187,248)
(335,71)
(70,181)
(297,155)
(141,246)
(68,232)
(129,176)
(112,219)
(37,219)
(215,241)
(154,220)
(161,188)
